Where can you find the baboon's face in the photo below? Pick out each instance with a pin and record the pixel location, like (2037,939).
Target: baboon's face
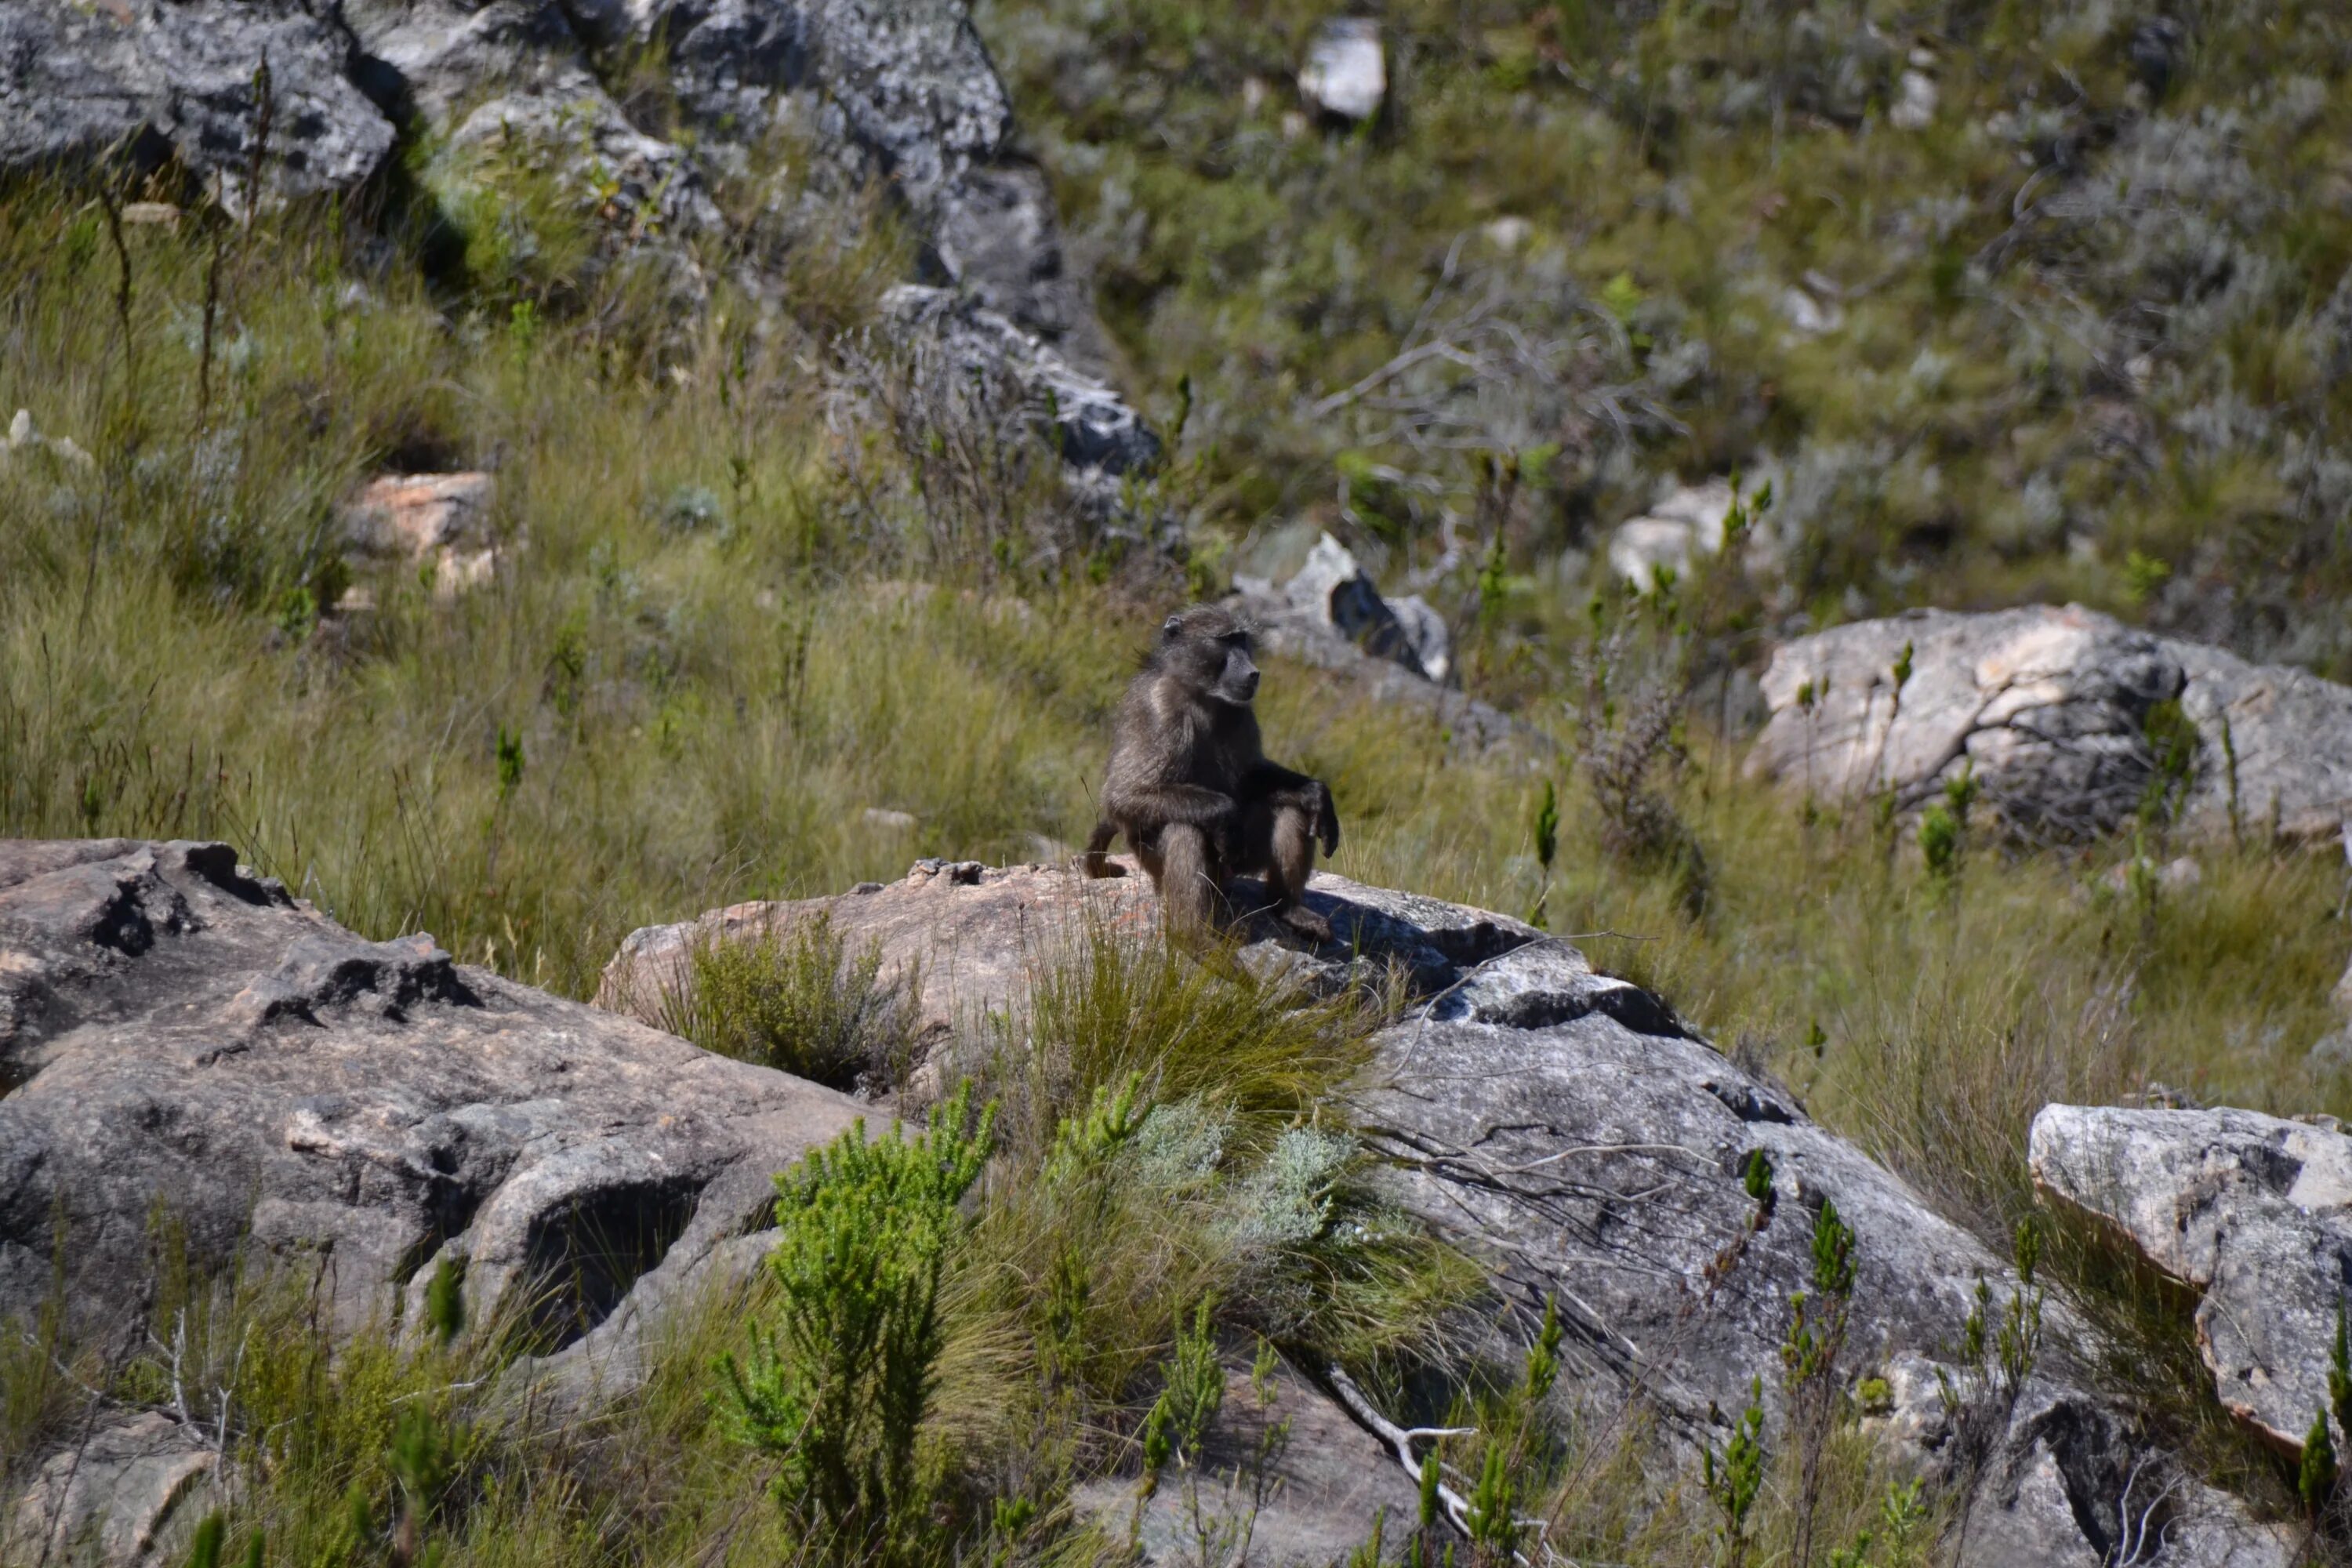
(1213,649)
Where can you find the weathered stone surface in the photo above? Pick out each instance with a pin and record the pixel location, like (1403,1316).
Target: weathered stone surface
(973,934)
(1593,1154)
(1574,1132)
(176,1031)
(1088,421)
(122,1498)
(901,94)
(440,520)
(156,80)
(2050,710)
(1689,523)
(2292,733)
(1333,592)
(1307,1505)
(1330,615)
(2253,1210)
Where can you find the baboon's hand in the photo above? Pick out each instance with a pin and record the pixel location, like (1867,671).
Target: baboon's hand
(1326,820)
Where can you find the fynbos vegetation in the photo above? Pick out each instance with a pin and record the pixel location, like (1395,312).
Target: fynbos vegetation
(749,589)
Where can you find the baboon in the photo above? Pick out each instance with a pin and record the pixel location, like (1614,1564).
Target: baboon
(1190,786)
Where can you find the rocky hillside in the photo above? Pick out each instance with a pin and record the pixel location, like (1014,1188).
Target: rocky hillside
(1807,546)
(2009,302)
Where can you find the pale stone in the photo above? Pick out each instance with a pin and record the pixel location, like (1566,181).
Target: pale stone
(1346,73)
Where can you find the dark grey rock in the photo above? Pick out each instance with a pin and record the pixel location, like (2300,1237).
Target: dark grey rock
(177,1033)
(900,94)
(1088,423)
(1594,1156)
(151,78)
(2050,709)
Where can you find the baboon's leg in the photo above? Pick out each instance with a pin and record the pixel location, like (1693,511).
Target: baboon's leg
(1276,840)
(1187,877)
(1289,860)
(1095,862)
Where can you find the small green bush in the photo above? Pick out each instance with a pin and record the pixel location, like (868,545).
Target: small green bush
(1940,840)
(836,1386)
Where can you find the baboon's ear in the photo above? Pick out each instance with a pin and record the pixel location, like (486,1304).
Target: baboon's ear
(1171,626)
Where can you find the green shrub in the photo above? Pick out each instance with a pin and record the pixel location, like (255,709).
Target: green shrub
(1940,840)
(796,1000)
(838,1384)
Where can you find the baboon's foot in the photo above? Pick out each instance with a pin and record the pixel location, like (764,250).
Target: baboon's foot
(1097,864)
(1307,922)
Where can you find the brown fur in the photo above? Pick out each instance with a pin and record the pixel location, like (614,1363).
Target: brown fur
(1190,786)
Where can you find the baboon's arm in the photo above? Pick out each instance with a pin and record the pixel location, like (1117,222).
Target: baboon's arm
(1157,804)
(1270,779)
(1272,782)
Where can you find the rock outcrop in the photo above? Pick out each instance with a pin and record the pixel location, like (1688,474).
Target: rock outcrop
(180,1039)
(2253,1212)
(2067,719)
(1329,614)
(159,81)
(1688,525)
(1083,417)
(1572,1131)
(438,521)
(127,1496)
(901,97)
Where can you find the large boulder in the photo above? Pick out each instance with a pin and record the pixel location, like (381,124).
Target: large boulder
(1572,1131)
(943,924)
(2253,1211)
(2064,718)
(1331,615)
(957,342)
(129,1495)
(157,80)
(902,93)
(180,1037)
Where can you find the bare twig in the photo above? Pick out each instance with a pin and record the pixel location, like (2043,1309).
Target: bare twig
(1401,1440)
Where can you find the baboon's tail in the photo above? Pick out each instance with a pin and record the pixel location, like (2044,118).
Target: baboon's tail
(1097,862)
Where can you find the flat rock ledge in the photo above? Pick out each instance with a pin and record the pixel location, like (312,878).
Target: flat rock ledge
(2253,1212)
(178,1035)
(2055,711)
(1576,1134)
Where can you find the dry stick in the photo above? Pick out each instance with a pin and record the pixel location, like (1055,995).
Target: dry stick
(113,211)
(212,311)
(264,106)
(1400,1440)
